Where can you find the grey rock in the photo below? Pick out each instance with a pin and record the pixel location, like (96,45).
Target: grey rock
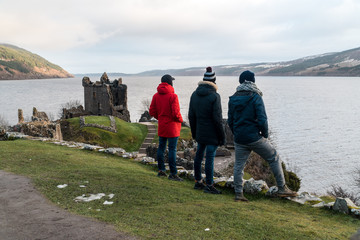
(272,191)
(343,205)
(255,186)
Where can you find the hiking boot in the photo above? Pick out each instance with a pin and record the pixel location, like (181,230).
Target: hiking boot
(240,197)
(162,174)
(285,192)
(199,185)
(211,189)
(175,178)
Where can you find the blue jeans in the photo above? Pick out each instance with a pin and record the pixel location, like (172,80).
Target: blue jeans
(209,162)
(266,151)
(172,142)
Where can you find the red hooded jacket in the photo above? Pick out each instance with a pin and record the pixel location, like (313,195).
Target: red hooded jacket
(166,109)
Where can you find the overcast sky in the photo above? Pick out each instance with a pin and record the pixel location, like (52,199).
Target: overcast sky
(130,36)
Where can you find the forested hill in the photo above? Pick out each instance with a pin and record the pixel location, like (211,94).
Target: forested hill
(346,63)
(17,63)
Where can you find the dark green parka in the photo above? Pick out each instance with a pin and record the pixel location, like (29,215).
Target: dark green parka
(205,115)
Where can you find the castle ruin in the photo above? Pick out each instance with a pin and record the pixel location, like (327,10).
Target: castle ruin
(106,98)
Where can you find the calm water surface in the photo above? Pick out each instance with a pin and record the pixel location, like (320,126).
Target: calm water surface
(314,121)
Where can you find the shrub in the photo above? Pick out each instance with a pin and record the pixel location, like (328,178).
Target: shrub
(291,179)
(337,191)
(3,123)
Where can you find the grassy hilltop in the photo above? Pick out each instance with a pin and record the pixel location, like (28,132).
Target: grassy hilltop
(18,63)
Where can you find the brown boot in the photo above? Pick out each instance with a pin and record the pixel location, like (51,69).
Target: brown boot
(240,197)
(285,192)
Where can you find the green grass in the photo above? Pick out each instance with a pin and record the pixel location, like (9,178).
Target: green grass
(130,136)
(101,120)
(156,208)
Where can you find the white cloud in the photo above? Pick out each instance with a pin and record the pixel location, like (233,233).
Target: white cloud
(169,33)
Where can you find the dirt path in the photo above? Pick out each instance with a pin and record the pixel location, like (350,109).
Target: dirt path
(25,215)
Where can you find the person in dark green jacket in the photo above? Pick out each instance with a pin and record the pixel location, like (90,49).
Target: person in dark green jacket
(248,122)
(205,117)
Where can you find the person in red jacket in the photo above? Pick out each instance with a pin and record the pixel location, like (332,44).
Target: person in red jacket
(166,109)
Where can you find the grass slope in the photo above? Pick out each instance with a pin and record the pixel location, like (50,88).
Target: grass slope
(130,136)
(156,208)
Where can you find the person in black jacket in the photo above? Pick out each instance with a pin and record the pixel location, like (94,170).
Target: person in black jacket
(205,117)
(248,122)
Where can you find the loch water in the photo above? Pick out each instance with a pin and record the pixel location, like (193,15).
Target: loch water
(314,121)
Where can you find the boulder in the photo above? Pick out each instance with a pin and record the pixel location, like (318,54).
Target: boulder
(222,152)
(344,205)
(255,186)
(145,117)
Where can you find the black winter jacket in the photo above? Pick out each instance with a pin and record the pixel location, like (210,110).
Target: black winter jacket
(247,117)
(205,115)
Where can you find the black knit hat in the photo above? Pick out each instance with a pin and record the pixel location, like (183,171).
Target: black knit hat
(209,75)
(247,76)
(168,79)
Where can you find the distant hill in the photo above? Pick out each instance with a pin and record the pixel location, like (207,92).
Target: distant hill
(17,63)
(346,63)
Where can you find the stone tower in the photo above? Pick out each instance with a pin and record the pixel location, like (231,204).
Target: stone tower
(106,98)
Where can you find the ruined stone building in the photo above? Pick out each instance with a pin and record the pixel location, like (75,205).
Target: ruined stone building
(106,98)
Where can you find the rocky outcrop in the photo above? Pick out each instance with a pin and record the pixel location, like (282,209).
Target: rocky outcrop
(145,117)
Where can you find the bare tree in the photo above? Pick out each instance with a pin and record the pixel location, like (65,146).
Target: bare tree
(3,123)
(146,104)
(338,191)
(357,178)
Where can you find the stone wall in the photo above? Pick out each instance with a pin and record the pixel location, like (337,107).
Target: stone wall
(40,126)
(112,127)
(74,112)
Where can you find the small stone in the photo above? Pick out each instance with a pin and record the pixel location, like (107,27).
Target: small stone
(108,203)
(272,191)
(319,205)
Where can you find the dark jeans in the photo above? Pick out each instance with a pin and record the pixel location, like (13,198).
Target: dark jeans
(172,142)
(209,162)
(264,148)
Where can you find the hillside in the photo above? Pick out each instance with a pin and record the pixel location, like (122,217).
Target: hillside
(150,207)
(346,63)
(17,63)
